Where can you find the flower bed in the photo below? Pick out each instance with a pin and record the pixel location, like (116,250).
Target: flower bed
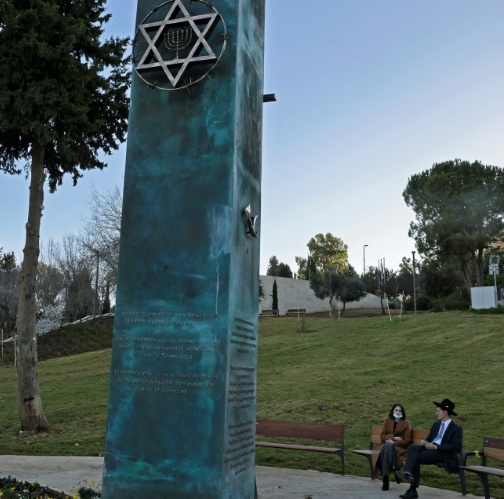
(10,488)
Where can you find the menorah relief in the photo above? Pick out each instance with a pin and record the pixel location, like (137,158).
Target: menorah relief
(177,46)
(178,39)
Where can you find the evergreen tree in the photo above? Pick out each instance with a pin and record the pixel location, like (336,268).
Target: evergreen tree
(106,301)
(63,100)
(272,266)
(284,270)
(459,213)
(274,296)
(278,269)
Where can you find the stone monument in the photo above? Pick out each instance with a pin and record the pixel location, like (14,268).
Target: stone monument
(181,416)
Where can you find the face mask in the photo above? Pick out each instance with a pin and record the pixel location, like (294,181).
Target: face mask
(398,416)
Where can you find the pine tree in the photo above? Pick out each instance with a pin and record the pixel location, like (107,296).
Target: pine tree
(63,100)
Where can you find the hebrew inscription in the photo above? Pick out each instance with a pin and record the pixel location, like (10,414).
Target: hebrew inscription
(241,446)
(175,383)
(169,354)
(167,348)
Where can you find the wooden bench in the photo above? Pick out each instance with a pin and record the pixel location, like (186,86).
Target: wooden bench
(493,448)
(269,313)
(302,431)
(416,436)
(295,312)
(375,441)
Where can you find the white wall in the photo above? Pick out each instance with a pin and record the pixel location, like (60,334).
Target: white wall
(483,297)
(296,293)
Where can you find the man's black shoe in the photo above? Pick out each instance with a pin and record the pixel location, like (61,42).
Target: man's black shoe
(404,475)
(409,494)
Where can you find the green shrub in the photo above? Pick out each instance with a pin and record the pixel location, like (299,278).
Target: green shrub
(393,305)
(498,310)
(71,339)
(450,305)
(422,303)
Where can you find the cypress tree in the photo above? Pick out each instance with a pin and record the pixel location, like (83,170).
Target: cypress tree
(274,296)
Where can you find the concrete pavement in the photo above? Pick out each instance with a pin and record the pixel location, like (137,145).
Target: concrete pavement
(66,472)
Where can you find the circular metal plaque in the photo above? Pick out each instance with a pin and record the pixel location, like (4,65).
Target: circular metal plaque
(178,44)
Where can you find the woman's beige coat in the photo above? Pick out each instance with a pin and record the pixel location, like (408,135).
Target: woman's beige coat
(403,430)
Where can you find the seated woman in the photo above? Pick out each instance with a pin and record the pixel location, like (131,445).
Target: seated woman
(395,438)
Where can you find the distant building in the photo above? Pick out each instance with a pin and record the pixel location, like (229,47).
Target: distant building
(296,293)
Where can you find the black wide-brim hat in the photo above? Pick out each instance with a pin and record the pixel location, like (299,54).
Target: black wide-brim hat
(447,405)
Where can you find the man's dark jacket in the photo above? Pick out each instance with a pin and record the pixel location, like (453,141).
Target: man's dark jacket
(450,446)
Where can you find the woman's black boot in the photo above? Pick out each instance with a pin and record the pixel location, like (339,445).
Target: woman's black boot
(385,485)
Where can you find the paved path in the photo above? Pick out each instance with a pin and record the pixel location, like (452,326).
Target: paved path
(63,473)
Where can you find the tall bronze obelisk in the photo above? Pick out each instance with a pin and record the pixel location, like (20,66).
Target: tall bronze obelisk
(181,415)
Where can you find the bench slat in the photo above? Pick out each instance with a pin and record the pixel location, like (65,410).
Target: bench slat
(292,429)
(296,311)
(302,431)
(495,443)
(491,453)
(297,447)
(271,312)
(363,452)
(417,435)
(493,448)
(376,434)
(485,470)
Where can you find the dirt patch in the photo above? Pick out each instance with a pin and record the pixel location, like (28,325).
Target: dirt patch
(356,312)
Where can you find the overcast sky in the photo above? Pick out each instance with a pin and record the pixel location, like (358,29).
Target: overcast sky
(369,93)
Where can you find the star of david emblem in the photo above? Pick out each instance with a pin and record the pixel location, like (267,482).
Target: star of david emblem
(176,46)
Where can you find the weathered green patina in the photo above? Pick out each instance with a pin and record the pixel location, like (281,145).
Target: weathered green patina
(181,414)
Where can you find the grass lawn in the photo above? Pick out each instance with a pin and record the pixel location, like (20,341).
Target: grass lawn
(348,371)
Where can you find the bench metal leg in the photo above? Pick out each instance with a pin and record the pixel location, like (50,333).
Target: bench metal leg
(255,488)
(462,481)
(371,467)
(484,481)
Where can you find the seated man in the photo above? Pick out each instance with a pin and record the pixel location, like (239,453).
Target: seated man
(441,447)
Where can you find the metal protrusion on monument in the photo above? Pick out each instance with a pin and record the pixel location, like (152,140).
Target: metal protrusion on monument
(250,221)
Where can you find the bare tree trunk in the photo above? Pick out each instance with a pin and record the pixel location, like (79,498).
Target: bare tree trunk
(466,273)
(331,304)
(478,264)
(30,409)
(381,303)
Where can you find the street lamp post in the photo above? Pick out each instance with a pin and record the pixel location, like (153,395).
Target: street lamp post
(96,283)
(384,276)
(414,284)
(493,268)
(364,257)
